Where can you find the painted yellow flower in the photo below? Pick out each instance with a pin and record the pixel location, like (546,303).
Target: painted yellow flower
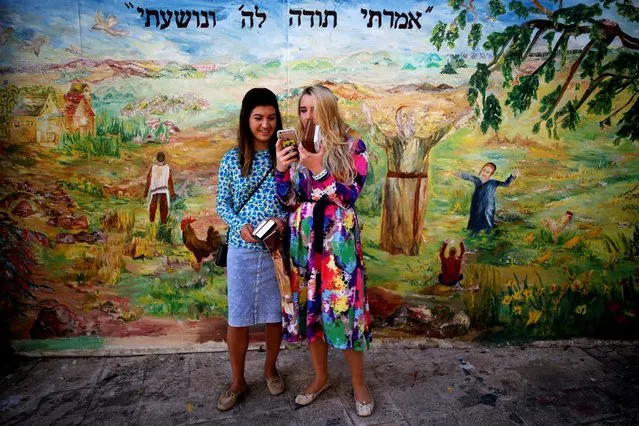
(506,300)
(581,309)
(511,283)
(517,310)
(533,317)
(528,294)
(576,285)
(517,296)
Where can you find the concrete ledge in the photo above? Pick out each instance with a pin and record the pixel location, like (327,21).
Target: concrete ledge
(119,348)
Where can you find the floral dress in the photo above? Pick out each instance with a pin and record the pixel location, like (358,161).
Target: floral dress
(327,280)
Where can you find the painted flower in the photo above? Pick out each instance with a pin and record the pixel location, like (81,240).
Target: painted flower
(517,295)
(506,300)
(533,317)
(528,294)
(576,285)
(607,289)
(581,309)
(553,288)
(517,310)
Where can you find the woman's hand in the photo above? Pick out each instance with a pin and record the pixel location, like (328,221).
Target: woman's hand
(247,234)
(284,156)
(281,225)
(312,161)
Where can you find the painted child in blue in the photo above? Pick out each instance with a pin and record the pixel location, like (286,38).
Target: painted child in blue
(482,208)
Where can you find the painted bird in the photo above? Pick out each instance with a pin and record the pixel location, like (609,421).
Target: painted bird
(199,248)
(556,227)
(34,45)
(107,25)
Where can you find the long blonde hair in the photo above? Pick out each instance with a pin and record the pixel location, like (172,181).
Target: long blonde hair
(338,159)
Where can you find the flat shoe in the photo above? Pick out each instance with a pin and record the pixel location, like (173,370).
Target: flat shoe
(303,399)
(228,399)
(275,385)
(365,409)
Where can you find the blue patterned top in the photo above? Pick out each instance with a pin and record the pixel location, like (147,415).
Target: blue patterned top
(233,189)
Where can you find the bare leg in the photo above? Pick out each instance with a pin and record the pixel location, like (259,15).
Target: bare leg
(319,357)
(355,360)
(273,341)
(237,339)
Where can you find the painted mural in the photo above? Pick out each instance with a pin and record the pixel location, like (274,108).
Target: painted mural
(503,190)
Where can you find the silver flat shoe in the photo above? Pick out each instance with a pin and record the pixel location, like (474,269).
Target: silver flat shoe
(303,399)
(365,409)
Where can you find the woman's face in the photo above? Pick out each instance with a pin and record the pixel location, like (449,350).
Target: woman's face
(263,122)
(307,108)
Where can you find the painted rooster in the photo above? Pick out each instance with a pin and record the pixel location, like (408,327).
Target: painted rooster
(199,248)
(556,227)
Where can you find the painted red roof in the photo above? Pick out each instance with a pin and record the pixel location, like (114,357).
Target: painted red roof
(72,101)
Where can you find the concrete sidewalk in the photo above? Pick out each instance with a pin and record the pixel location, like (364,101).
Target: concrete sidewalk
(543,384)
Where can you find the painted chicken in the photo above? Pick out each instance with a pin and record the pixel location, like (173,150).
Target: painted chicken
(200,249)
(556,227)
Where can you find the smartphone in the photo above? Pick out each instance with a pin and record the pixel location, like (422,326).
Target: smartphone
(288,137)
(312,136)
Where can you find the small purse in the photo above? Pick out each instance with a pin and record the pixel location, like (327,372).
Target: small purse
(222,253)
(223,250)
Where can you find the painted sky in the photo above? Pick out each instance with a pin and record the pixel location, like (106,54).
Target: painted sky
(65,30)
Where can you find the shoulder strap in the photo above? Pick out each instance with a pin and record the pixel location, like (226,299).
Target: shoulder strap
(256,188)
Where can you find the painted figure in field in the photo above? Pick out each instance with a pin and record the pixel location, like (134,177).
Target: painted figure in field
(482,208)
(327,262)
(245,197)
(406,185)
(159,186)
(451,264)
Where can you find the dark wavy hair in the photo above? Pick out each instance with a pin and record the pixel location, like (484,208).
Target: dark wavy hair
(256,97)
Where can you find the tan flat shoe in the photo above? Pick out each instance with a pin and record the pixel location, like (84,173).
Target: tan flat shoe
(303,399)
(275,385)
(365,409)
(228,399)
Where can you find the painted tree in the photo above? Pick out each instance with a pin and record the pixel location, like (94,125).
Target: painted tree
(8,97)
(608,64)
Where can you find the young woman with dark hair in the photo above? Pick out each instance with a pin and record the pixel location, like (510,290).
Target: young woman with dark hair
(246,196)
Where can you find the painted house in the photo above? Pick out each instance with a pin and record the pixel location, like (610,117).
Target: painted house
(78,111)
(36,118)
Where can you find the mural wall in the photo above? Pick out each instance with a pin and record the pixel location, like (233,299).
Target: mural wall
(545,91)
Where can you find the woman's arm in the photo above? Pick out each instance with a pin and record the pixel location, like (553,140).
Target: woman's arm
(285,193)
(224,199)
(339,193)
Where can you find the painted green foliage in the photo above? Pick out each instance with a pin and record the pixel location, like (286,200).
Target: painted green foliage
(611,75)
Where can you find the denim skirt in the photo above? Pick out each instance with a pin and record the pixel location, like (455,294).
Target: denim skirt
(253,293)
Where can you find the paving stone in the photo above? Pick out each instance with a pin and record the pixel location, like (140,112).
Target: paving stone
(519,385)
(67,407)
(324,411)
(120,384)
(274,418)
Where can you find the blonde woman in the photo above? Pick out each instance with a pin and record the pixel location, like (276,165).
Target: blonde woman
(327,265)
